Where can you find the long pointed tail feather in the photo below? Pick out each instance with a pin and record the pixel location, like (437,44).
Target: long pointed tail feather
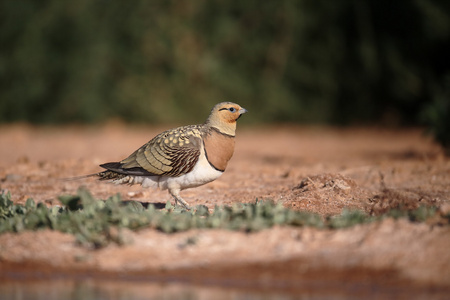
(80,177)
(113,172)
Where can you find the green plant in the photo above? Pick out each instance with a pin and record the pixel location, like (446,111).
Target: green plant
(349,218)
(96,223)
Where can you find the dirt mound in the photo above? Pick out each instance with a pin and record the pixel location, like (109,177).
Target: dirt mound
(330,192)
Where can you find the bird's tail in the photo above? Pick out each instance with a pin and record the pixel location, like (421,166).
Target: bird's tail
(104,175)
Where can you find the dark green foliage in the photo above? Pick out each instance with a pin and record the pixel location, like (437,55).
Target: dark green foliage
(437,114)
(96,223)
(170,61)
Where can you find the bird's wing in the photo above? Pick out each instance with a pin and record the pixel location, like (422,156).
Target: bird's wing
(171,153)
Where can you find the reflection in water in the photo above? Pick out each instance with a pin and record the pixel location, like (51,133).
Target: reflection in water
(90,289)
(126,290)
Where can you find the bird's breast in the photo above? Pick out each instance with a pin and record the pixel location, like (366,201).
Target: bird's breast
(219,149)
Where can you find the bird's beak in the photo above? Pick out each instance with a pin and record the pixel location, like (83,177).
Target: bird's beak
(242,111)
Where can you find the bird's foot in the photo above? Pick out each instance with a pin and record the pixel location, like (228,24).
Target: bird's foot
(182,202)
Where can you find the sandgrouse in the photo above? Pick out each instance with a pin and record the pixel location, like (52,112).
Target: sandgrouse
(183,157)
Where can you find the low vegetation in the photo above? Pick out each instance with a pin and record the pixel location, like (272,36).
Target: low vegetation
(96,223)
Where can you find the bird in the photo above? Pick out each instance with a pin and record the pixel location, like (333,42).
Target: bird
(183,157)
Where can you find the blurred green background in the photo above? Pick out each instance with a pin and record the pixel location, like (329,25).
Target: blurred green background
(308,61)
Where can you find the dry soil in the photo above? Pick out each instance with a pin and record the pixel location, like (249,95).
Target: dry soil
(316,169)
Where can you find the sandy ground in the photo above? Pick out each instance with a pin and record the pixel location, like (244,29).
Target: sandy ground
(322,170)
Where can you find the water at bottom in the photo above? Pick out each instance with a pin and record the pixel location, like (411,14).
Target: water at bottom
(94,289)
(99,289)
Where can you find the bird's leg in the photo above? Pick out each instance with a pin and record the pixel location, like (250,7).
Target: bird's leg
(176,195)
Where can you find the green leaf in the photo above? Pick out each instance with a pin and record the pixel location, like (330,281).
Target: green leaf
(71,202)
(30,204)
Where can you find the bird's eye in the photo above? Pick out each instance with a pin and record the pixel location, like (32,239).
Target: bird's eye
(232,109)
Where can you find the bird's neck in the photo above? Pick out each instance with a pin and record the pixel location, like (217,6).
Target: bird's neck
(227,128)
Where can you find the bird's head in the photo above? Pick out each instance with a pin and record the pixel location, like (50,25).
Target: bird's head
(224,115)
